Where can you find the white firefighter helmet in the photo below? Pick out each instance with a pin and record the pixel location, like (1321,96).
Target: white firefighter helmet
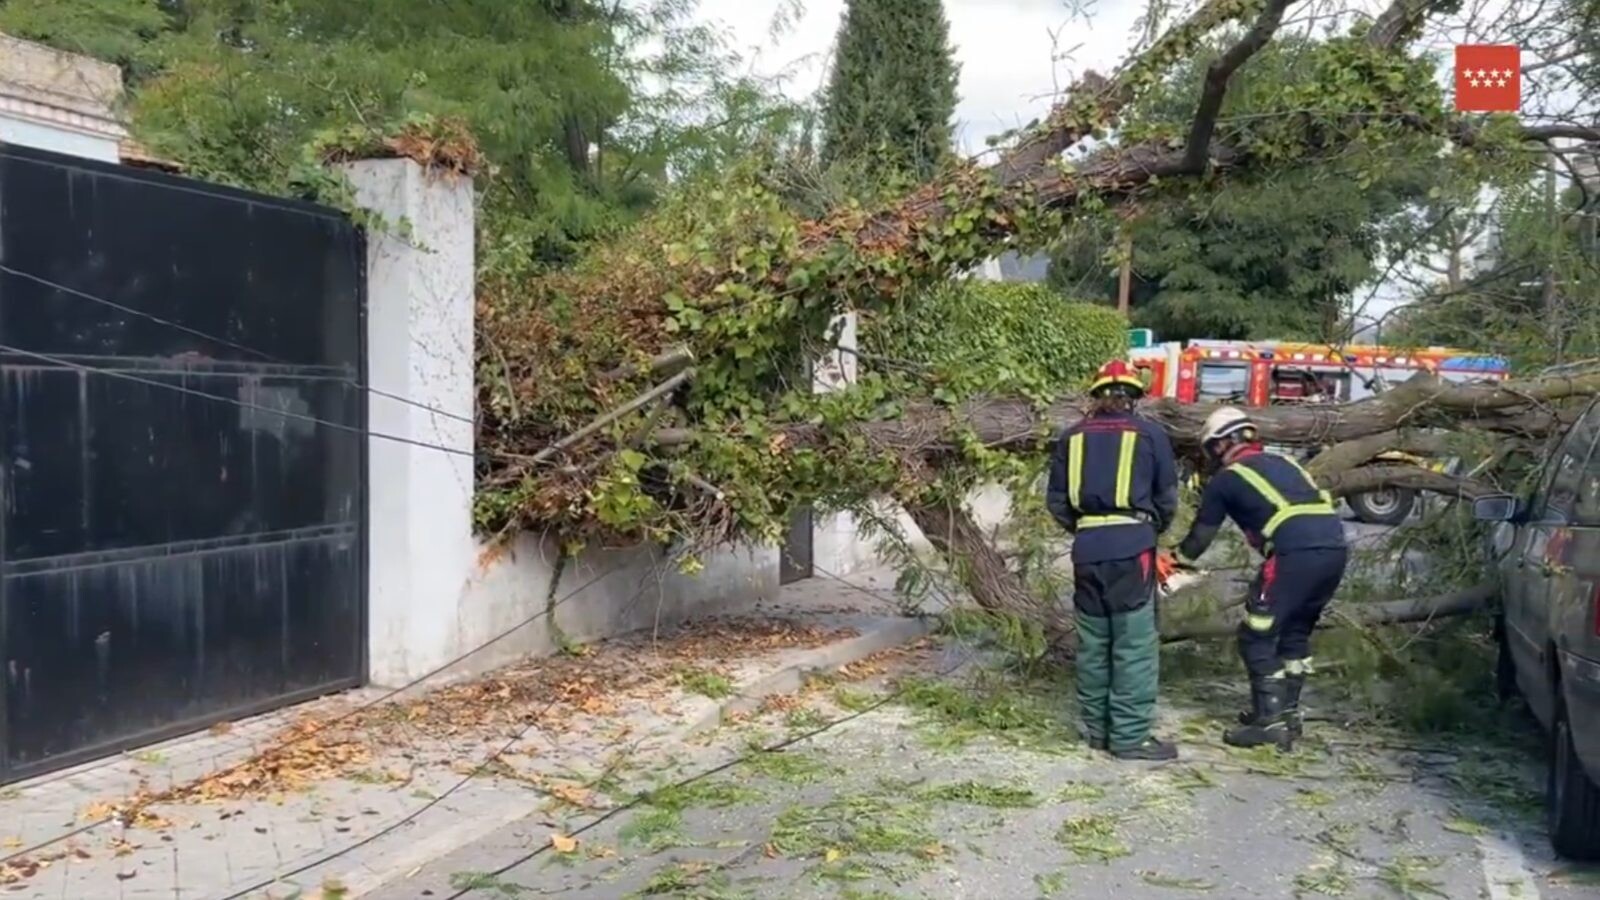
(1226,422)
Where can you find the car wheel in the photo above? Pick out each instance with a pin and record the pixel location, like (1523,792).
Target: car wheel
(1571,798)
(1505,668)
(1387,506)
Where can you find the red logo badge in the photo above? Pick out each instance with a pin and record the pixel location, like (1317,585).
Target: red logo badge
(1488,78)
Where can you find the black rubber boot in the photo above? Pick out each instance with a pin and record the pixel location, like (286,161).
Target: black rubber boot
(1291,706)
(1269,724)
(1151,750)
(1292,685)
(1098,743)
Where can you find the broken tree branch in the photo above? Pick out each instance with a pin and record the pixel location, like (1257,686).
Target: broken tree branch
(667,362)
(1396,612)
(637,403)
(1218,74)
(1401,475)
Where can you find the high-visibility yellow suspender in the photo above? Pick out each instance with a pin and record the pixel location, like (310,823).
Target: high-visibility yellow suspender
(1075,470)
(1130,439)
(1283,509)
(1123,497)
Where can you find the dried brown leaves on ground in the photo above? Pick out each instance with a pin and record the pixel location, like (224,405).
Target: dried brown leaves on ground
(551,694)
(22,868)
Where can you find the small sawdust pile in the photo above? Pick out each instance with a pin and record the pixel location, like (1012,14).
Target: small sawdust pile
(550,693)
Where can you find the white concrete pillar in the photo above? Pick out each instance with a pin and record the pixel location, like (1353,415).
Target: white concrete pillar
(420,282)
(836,547)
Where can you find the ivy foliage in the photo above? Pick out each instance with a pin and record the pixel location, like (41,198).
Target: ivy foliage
(969,338)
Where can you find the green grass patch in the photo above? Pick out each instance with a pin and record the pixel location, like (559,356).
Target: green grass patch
(1092,837)
(856,825)
(1079,791)
(1408,877)
(974,793)
(655,829)
(1309,798)
(1191,779)
(700,881)
(707,684)
(1328,878)
(1050,883)
(484,882)
(1463,825)
(1500,782)
(1024,716)
(805,719)
(703,794)
(788,766)
(854,699)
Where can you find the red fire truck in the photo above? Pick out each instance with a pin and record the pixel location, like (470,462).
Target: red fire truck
(1266,373)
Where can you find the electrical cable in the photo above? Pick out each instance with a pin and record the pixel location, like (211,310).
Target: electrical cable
(412,816)
(221,340)
(349,713)
(737,761)
(182,389)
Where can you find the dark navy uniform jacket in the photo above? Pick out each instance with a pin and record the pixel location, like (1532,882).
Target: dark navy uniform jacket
(1114,485)
(1274,502)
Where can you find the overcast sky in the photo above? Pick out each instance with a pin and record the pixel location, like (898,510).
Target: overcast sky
(1004,48)
(1013,55)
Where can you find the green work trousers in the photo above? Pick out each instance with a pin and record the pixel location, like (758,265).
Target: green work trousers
(1118,650)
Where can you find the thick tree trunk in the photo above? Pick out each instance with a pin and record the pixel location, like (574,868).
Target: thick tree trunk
(1388,421)
(984,572)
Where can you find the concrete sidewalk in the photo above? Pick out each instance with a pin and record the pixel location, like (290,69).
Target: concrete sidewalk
(336,797)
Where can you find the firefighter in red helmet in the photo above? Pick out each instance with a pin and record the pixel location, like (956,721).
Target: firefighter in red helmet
(1113,485)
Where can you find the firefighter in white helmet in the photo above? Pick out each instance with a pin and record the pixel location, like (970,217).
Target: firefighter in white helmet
(1295,527)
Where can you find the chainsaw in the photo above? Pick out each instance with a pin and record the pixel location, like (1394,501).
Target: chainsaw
(1168,565)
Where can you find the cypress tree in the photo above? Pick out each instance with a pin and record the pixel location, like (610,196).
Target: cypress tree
(892,94)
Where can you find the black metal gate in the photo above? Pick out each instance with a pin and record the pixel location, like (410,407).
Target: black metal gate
(184,462)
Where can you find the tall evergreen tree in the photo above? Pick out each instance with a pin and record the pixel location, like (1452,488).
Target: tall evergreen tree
(893,91)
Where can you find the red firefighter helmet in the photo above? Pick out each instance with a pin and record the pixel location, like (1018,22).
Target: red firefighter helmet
(1114,373)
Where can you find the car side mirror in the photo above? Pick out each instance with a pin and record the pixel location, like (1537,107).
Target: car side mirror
(1497,508)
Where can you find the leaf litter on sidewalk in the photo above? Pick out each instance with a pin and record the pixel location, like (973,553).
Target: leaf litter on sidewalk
(556,695)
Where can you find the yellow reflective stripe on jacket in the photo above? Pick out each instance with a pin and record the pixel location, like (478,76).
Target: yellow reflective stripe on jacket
(1259,622)
(1130,440)
(1100,521)
(1326,497)
(1123,497)
(1074,470)
(1284,509)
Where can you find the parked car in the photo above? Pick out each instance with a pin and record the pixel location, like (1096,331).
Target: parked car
(1546,551)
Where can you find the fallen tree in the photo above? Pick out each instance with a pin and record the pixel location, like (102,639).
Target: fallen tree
(738,284)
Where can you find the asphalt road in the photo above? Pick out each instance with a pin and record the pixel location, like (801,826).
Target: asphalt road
(954,802)
(970,791)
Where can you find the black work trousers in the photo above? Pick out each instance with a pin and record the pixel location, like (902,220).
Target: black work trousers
(1287,598)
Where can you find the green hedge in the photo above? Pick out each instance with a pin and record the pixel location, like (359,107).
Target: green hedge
(996,337)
